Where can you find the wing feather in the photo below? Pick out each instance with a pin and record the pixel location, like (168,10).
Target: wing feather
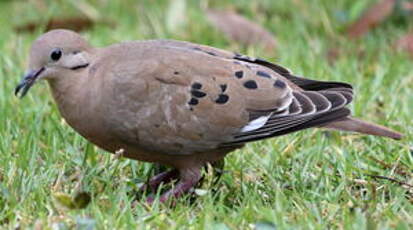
(294,104)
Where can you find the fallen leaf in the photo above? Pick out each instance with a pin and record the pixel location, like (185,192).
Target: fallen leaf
(240,29)
(371,18)
(81,200)
(405,43)
(64,199)
(71,23)
(75,23)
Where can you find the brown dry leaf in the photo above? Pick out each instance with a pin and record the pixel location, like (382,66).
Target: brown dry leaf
(71,23)
(240,29)
(405,43)
(371,18)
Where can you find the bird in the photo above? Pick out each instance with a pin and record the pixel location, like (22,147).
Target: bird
(181,104)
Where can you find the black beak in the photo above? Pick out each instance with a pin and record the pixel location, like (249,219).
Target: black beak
(27,82)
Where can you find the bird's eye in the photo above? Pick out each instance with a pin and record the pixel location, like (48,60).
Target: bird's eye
(56,54)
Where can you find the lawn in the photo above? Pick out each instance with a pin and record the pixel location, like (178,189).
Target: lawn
(313,179)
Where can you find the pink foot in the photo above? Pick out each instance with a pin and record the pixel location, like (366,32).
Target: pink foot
(155,181)
(188,179)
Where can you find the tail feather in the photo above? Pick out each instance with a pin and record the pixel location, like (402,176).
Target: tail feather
(357,125)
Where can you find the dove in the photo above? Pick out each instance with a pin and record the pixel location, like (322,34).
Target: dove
(180,104)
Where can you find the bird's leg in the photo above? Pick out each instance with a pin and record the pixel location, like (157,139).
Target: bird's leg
(188,179)
(163,177)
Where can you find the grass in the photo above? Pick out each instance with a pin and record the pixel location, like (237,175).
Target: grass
(308,180)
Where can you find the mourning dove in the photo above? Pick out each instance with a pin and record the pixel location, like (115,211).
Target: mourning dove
(181,104)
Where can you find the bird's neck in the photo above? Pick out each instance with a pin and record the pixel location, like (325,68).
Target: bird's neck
(70,94)
(78,103)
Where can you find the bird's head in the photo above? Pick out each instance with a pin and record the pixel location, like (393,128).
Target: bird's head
(53,55)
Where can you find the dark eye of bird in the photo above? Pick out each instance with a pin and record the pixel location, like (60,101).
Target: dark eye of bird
(56,54)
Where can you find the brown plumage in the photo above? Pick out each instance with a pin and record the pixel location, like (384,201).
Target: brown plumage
(181,104)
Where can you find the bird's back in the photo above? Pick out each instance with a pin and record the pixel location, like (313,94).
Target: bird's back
(182,98)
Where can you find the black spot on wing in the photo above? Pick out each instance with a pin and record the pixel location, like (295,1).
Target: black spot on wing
(196,85)
(197,93)
(222,99)
(210,53)
(251,84)
(280,84)
(193,101)
(223,87)
(263,74)
(239,74)
(304,83)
